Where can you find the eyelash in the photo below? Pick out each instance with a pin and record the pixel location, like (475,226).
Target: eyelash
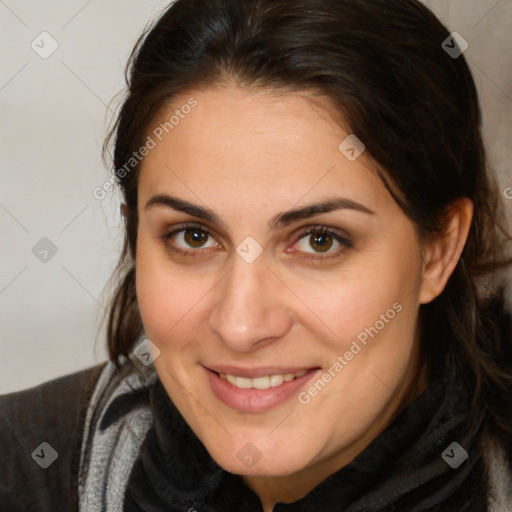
(321,230)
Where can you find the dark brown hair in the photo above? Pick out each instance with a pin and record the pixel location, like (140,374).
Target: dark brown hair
(416,109)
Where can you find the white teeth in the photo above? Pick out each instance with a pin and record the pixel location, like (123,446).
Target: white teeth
(276,380)
(261,382)
(243,383)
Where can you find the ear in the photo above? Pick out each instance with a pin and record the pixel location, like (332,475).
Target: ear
(441,256)
(124,210)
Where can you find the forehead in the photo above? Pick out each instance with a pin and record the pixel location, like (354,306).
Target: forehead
(264,145)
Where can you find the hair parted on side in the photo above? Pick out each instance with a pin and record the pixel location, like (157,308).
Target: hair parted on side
(380,62)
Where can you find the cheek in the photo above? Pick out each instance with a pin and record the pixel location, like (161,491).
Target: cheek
(362,297)
(169,299)
(157,292)
(375,322)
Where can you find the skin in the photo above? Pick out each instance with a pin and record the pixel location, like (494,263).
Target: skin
(249,156)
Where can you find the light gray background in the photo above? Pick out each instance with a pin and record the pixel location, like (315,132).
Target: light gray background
(54,116)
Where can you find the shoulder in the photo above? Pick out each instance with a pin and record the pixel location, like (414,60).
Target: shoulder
(49,396)
(40,435)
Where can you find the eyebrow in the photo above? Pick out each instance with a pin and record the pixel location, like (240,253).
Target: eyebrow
(282,219)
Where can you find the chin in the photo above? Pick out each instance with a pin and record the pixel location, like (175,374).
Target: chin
(252,461)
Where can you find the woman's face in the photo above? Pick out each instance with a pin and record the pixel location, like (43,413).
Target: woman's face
(243,288)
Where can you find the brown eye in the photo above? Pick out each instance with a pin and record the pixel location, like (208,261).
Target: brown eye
(195,237)
(321,241)
(187,238)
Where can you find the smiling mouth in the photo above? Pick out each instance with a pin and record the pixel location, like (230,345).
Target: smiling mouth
(257,390)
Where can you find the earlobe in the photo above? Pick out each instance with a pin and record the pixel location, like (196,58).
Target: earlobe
(442,255)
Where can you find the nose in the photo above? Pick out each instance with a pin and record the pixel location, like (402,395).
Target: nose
(250,308)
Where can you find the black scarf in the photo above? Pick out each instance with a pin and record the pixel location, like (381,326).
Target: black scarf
(400,471)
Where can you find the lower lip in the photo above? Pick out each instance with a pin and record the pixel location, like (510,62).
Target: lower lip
(256,400)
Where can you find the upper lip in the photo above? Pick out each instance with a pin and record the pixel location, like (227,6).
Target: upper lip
(252,373)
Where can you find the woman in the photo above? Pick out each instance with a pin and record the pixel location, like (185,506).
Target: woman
(308,315)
